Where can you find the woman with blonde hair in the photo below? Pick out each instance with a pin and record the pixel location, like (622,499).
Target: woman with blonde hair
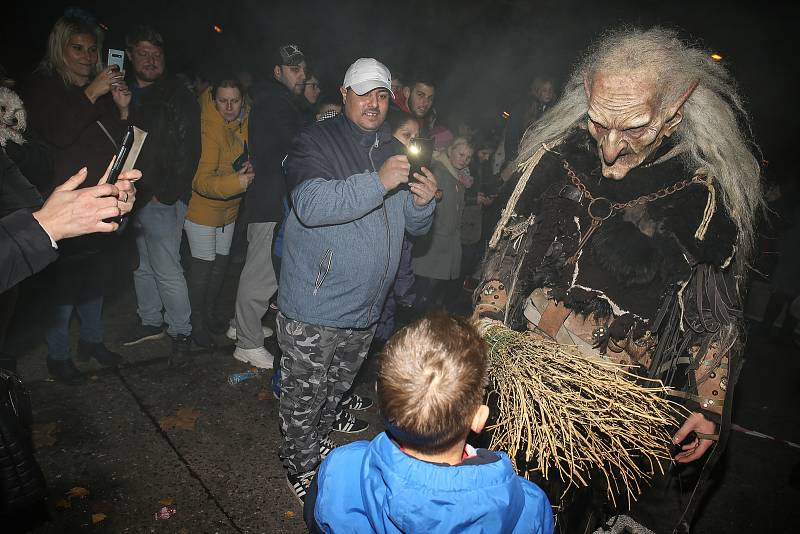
(437,256)
(79,110)
(223,175)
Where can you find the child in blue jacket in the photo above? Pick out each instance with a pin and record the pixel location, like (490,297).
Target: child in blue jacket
(420,475)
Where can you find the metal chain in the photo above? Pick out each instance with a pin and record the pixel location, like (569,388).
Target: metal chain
(616,206)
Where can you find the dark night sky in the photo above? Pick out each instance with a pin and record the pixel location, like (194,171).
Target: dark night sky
(481,51)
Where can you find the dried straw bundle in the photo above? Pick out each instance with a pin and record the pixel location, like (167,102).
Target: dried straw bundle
(576,415)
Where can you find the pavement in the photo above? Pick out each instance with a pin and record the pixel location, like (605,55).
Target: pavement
(133,440)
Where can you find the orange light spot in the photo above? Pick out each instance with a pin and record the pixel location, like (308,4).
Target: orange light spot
(716,57)
(217,29)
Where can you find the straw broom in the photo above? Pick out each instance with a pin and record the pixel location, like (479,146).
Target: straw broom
(575,415)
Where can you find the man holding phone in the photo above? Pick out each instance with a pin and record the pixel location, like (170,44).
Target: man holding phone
(340,255)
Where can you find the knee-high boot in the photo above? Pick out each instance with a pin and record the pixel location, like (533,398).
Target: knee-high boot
(214,322)
(199,276)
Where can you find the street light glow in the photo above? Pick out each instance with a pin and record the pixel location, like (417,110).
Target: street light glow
(716,57)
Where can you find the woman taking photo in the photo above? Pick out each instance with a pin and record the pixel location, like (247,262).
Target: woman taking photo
(437,255)
(223,174)
(80,111)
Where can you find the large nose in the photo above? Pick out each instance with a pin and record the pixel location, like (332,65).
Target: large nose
(373,99)
(612,146)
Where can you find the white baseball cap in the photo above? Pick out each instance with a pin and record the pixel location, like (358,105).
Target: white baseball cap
(367,74)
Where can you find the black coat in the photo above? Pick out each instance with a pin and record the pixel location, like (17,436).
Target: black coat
(63,117)
(275,120)
(168,111)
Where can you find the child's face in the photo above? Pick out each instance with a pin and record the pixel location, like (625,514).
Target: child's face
(407,132)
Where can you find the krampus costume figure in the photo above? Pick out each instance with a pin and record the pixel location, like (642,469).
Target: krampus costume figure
(629,230)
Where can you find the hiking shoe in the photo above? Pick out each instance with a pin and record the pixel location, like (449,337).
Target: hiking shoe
(99,352)
(231,333)
(356,402)
(259,357)
(181,351)
(325,447)
(142,332)
(300,484)
(347,423)
(64,371)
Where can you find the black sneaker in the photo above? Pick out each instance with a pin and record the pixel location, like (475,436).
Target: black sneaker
(181,351)
(142,332)
(347,423)
(99,352)
(64,371)
(356,402)
(300,484)
(326,445)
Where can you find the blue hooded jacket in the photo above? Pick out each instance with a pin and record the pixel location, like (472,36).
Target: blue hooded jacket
(375,487)
(343,236)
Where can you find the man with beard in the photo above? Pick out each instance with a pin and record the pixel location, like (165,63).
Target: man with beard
(167,110)
(419,95)
(627,236)
(347,178)
(276,118)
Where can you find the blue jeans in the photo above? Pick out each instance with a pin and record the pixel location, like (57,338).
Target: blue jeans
(159,281)
(90,314)
(76,284)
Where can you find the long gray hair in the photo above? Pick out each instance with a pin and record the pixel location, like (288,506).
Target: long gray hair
(714,135)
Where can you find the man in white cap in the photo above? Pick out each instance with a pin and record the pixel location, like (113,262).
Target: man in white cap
(352,200)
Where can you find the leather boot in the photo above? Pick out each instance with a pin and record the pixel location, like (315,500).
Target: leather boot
(214,323)
(197,282)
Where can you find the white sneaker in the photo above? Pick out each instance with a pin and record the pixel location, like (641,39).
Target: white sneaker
(231,333)
(259,357)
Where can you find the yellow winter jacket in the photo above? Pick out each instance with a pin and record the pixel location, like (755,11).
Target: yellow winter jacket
(216,191)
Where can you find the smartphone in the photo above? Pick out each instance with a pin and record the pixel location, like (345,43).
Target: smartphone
(243,158)
(420,152)
(122,155)
(116,57)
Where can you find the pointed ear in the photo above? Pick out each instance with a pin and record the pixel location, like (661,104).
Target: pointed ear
(675,112)
(586,88)
(479,419)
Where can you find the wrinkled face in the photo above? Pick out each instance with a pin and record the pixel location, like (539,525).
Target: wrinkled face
(147,60)
(369,110)
(420,99)
(228,102)
(292,76)
(406,132)
(311,90)
(625,121)
(460,156)
(80,57)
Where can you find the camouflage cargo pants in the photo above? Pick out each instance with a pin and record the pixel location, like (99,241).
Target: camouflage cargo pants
(318,366)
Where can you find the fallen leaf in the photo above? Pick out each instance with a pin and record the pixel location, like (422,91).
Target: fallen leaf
(289,514)
(167,501)
(44,435)
(78,491)
(63,504)
(96,518)
(184,419)
(264,394)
